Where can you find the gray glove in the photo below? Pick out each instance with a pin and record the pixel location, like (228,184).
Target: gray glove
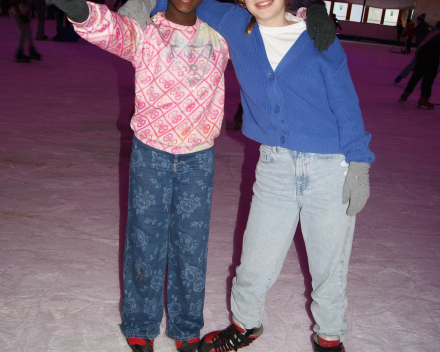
(139,10)
(320,26)
(356,187)
(76,10)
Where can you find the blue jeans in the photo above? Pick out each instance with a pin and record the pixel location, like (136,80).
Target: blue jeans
(169,209)
(290,186)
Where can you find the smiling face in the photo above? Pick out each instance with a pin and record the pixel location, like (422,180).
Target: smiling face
(182,12)
(268,13)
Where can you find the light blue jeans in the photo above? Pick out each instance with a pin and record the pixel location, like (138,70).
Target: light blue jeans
(290,186)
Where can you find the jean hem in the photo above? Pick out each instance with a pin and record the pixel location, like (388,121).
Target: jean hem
(175,338)
(141,336)
(339,333)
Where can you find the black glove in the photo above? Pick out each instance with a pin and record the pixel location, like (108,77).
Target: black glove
(320,26)
(76,10)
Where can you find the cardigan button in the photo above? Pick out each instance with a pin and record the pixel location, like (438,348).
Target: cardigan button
(271,76)
(282,140)
(276,109)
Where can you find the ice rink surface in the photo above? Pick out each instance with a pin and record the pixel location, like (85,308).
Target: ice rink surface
(64,154)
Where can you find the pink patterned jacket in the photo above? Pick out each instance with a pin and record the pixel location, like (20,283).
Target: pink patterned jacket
(179,82)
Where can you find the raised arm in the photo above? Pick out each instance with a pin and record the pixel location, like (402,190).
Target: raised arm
(76,10)
(139,10)
(320,26)
(213,12)
(97,24)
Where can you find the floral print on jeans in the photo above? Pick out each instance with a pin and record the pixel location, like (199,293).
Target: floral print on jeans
(166,241)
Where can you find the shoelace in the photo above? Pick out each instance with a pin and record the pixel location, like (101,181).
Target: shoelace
(230,339)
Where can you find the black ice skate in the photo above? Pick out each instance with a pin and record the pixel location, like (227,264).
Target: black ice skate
(231,339)
(21,57)
(187,346)
(141,345)
(328,345)
(33,54)
(424,102)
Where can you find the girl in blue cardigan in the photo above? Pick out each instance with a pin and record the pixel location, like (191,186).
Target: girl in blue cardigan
(299,102)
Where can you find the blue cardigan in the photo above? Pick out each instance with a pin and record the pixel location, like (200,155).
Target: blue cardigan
(308,104)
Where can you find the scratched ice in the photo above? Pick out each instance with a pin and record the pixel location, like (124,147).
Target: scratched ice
(64,155)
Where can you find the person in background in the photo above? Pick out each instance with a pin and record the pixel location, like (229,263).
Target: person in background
(421,30)
(421,34)
(20,12)
(40,6)
(426,67)
(399,30)
(409,34)
(5,8)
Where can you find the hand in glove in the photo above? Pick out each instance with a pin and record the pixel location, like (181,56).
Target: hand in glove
(139,10)
(356,187)
(320,26)
(76,10)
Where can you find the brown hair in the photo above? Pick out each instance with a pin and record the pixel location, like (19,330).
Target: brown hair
(251,23)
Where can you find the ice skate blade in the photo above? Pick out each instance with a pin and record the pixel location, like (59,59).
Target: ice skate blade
(424,107)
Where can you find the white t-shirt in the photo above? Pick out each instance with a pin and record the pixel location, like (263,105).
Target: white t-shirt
(278,40)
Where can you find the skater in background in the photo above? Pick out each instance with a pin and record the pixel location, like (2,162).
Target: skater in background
(40,6)
(421,30)
(20,13)
(410,67)
(314,162)
(5,8)
(61,18)
(426,68)
(409,34)
(399,31)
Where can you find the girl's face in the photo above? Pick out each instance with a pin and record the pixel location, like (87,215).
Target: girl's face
(182,11)
(268,13)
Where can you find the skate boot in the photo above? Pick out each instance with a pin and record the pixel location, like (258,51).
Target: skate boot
(425,102)
(33,54)
(140,345)
(21,57)
(187,346)
(324,343)
(404,97)
(398,79)
(231,339)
